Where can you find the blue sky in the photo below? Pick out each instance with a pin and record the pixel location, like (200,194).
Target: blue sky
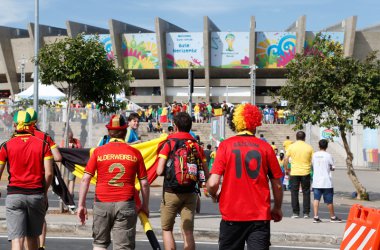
(231,15)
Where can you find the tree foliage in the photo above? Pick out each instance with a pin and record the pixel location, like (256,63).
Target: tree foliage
(82,63)
(326,88)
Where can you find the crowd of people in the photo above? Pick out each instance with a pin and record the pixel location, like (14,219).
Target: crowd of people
(242,162)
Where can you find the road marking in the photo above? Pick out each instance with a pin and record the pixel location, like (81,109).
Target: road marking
(197,242)
(314,248)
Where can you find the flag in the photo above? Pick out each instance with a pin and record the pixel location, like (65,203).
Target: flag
(75,161)
(59,187)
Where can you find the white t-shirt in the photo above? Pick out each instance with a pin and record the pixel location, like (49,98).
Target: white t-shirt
(322,162)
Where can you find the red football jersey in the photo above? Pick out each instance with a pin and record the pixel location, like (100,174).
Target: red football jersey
(117,165)
(246,163)
(24,154)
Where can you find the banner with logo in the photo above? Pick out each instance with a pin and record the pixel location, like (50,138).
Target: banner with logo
(140,51)
(275,49)
(230,49)
(184,50)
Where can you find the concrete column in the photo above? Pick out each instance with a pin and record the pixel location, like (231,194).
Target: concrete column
(162,27)
(74,28)
(117,29)
(208,27)
(301,34)
(299,27)
(252,41)
(7,57)
(349,26)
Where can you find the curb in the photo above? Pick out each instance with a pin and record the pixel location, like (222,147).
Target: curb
(202,234)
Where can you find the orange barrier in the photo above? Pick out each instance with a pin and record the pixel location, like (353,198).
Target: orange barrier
(362,230)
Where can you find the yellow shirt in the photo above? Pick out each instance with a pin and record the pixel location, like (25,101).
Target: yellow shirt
(286,144)
(196,109)
(213,155)
(280,113)
(164,111)
(301,154)
(274,147)
(218,112)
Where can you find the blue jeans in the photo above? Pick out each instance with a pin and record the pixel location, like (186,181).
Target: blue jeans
(295,182)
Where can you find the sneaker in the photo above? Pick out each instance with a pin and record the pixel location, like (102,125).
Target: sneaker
(335,219)
(306,216)
(317,220)
(294,216)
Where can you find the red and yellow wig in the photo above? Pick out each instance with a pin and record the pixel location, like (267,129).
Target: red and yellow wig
(245,117)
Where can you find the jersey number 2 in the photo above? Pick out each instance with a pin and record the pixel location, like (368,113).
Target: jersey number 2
(251,155)
(113,181)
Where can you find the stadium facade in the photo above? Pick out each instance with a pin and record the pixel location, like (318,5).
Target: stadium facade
(160,59)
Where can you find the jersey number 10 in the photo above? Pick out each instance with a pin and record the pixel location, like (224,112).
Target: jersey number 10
(249,156)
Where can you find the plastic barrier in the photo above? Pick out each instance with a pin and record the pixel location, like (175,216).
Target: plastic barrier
(362,229)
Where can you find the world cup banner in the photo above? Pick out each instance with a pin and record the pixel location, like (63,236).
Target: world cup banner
(230,49)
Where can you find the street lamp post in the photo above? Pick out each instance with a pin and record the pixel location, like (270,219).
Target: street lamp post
(252,72)
(191,88)
(36,48)
(227,94)
(22,68)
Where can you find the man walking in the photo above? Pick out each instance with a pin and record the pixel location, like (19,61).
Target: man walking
(287,143)
(117,164)
(323,164)
(247,164)
(300,153)
(180,194)
(56,156)
(30,169)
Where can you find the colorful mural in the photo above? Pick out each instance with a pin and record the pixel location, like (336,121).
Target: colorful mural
(230,49)
(371,147)
(275,49)
(184,50)
(105,39)
(140,51)
(310,35)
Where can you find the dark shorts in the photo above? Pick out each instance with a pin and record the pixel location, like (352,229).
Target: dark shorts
(25,215)
(234,235)
(327,193)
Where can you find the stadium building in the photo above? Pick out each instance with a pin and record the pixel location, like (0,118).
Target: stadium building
(228,66)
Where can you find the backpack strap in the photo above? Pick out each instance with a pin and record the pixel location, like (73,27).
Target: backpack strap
(105,140)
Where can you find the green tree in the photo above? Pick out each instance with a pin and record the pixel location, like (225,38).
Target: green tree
(326,88)
(81,67)
(82,64)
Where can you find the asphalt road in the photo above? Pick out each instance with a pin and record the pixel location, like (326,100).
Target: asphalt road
(207,206)
(86,243)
